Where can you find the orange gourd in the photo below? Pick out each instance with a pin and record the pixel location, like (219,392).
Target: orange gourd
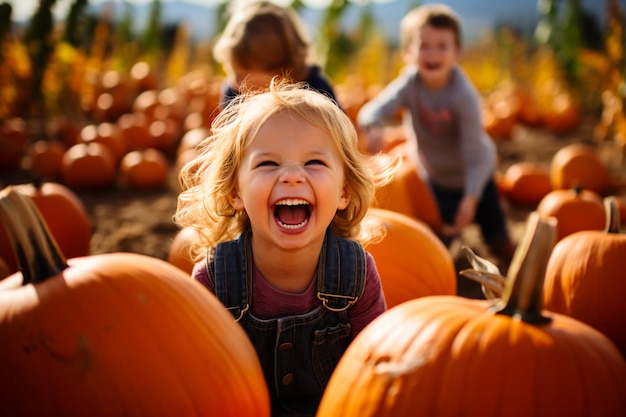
(146,168)
(576,209)
(115,334)
(408,194)
(579,164)
(106,133)
(526,183)
(411,260)
(143,77)
(65,215)
(14,141)
(562,114)
(177,254)
(585,278)
(133,128)
(88,166)
(44,159)
(455,356)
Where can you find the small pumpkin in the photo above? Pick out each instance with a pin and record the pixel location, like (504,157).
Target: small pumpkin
(43,159)
(579,164)
(133,127)
(143,77)
(115,334)
(14,141)
(526,183)
(411,260)
(177,254)
(585,278)
(575,209)
(146,168)
(88,166)
(107,134)
(455,356)
(562,113)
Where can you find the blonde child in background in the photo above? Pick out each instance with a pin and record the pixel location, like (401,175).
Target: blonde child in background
(455,155)
(277,197)
(262,40)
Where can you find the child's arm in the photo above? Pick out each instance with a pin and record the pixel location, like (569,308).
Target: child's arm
(465,213)
(382,109)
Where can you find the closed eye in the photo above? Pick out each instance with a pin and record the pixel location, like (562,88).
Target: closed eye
(266,164)
(316,162)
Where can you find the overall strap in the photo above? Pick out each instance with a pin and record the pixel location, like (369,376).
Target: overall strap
(341,272)
(232,270)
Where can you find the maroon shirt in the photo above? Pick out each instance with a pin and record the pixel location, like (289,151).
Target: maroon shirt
(269,302)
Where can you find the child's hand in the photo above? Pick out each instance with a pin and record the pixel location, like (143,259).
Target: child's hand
(465,213)
(375,139)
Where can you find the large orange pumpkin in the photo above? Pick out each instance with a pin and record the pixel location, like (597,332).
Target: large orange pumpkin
(115,334)
(411,260)
(585,278)
(65,215)
(408,194)
(455,356)
(575,209)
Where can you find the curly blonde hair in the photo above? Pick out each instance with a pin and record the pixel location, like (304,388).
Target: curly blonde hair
(437,15)
(263,35)
(207,180)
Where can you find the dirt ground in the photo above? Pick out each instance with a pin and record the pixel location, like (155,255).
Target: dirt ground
(140,221)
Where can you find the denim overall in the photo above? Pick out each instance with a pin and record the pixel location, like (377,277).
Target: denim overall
(298,353)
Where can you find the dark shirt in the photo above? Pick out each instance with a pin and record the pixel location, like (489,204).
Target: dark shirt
(316,80)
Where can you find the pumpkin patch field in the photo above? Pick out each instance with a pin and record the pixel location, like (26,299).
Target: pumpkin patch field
(96,122)
(138,219)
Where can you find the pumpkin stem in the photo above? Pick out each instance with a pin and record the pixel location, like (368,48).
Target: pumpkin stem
(612,215)
(578,188)
(36,251)
(522,296)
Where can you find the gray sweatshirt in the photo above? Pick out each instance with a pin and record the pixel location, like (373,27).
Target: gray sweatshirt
(453,148)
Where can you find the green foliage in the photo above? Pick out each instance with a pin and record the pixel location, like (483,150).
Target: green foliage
(40,44)
(333,45)
(6,10)
(567,32)
(152,35)
(75,25)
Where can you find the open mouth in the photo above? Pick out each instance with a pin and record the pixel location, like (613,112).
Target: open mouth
(292,213)
(432,66)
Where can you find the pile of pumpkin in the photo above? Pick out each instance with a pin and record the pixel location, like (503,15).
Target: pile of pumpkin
(129,132)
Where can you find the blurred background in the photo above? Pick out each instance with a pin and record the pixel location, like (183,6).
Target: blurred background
(55,53)
(68,64)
